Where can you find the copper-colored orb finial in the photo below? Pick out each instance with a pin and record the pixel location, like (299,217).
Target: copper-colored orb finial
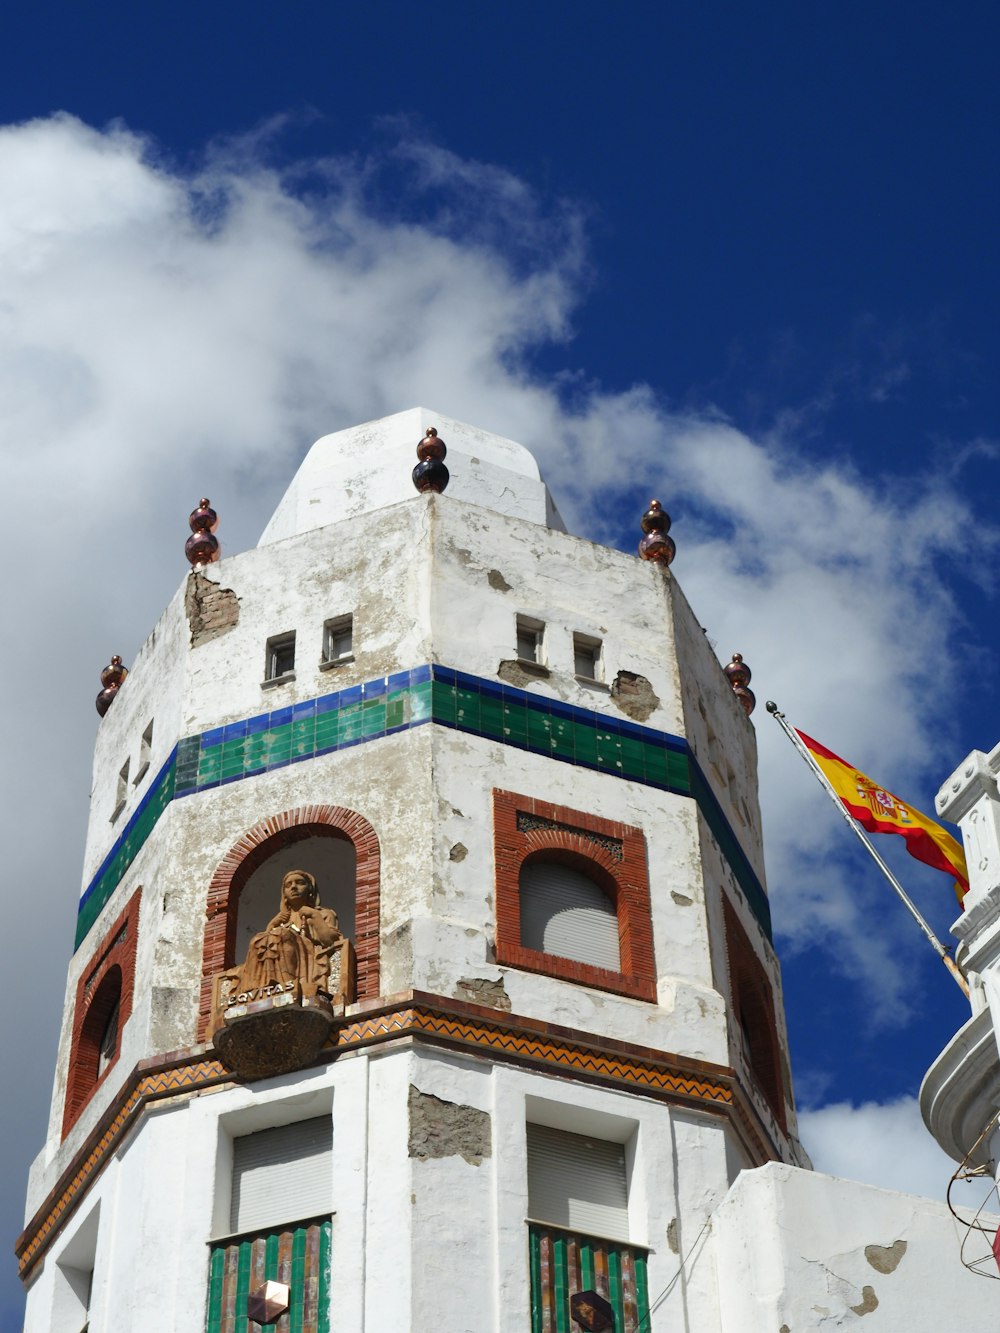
(738,674)
(268,1302)
(202,547)
(656,545)
(112,679)
(430,474)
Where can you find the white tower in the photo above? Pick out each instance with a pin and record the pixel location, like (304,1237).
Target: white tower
(526,787)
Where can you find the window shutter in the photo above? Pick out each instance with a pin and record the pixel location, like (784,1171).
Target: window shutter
(282,1175)
(577,1182)
(565,913)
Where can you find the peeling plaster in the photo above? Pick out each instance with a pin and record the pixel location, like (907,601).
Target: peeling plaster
(634,695)
(497,580)
(885,1258)
(869,1301)
(211,610)
(445,1129)
(483,991)
(521,673)
(459,852)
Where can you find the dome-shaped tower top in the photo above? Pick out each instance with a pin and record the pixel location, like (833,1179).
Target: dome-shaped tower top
(369,467)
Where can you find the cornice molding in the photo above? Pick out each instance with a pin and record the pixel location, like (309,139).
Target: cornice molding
(435,1020)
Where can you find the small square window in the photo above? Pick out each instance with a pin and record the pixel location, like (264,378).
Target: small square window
(338,641)
(529,639)
(280,657)
(145,754)
(121,794)
(587,657)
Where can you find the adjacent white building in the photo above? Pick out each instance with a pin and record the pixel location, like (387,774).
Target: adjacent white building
(524,783)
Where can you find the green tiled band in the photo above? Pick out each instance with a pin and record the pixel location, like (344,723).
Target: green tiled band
(363,713)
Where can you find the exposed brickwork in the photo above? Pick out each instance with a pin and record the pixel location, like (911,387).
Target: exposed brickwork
(108,979)
(252,850)
(211,610)
(753,1009)
(582,840)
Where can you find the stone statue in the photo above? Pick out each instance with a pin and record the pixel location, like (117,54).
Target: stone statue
(274,1011)
(293,951)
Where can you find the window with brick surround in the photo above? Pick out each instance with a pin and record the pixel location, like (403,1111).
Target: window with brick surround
(597,898)
(752,1002)
(103,1007)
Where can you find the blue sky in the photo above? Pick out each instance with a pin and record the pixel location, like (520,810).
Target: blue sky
(742,258)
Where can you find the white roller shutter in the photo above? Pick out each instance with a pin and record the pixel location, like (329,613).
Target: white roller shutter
(282,1175)
(565,913)
(577,1182)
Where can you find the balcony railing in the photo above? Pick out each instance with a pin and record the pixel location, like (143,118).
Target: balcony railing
(297,1255)
(565,1262)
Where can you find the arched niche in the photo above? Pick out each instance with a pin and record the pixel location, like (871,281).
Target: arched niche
(333,863)
(319,838)
(102,1009)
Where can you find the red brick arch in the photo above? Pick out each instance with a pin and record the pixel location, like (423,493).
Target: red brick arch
(255,847)
(753,1008)
(584,841)
(108,979)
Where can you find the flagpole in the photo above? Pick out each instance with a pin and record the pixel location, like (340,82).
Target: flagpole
(859,832)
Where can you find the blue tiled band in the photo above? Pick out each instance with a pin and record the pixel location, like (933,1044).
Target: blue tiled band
(407,699)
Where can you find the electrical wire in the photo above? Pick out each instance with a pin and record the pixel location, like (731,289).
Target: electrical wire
(643,1323)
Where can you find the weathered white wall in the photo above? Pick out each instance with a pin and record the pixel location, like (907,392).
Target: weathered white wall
(436,1243)
(421,1243)
(798,1250)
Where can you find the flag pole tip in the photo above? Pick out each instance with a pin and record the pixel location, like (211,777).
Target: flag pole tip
(771,706)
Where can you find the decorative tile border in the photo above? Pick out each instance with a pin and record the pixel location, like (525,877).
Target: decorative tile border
(407,699)
(155,1083)
(437,1019)
(126,848)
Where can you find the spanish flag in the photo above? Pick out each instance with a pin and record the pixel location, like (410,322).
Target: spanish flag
(878,811)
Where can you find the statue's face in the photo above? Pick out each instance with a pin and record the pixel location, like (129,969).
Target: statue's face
(297,889)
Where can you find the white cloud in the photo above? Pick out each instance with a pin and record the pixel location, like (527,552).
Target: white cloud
(166,334)
(885,1144)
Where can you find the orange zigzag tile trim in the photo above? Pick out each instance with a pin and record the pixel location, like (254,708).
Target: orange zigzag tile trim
(148,1087)
(511,1040)
(525,1046)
